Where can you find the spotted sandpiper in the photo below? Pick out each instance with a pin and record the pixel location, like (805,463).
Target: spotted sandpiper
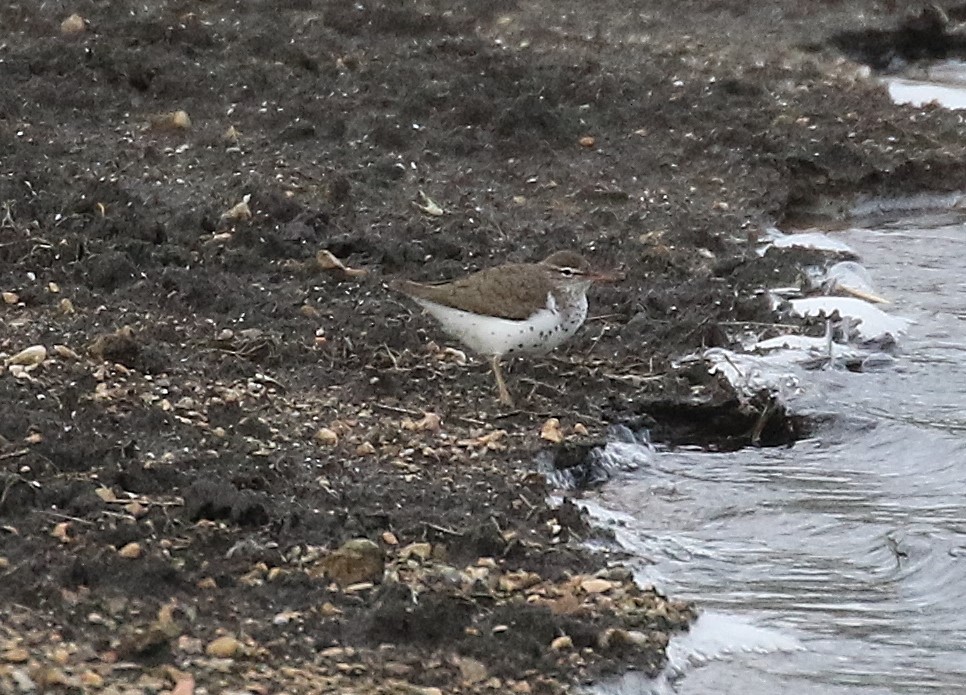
(517,308)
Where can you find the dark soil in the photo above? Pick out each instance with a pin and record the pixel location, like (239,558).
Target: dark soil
(225,412)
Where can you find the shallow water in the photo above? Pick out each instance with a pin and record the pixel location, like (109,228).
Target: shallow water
(837,565)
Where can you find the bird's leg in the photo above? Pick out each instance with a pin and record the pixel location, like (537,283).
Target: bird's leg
(505,397)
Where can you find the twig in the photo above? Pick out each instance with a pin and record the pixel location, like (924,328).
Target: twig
(68,517)
(442,529)
(392,357)
(14,454)
(594,341)
(634,380)
(148,501)
(762,422)
(401,411)
(760,323)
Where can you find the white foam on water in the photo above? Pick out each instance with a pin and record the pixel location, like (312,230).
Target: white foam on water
(874,323)
(819,241)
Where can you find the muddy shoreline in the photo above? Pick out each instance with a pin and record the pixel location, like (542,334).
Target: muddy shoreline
(239,467)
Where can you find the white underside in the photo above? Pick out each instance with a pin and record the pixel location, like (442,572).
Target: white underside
(487,335)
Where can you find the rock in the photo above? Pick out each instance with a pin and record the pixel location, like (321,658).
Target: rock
(338,653)
(65,353)
(106,494)
(25,683)
(430,422)
(423,551)
(326,437)
(173,121)
(224,647)
(184,686)
(617,639)
(471,670)
(28,357)
(120,346)
(358,560)
(365,449)
(596,586)
(74,24)
(309,311)
(551,431)
(518,581)
(285,617)
(562,644)
(15,655)
(357,587)
(61,531)
(328,610)
(136,509)
(618,574)
(190,645)
(131,551)
(327,261)
(49,678)
(92,679)
(239,212)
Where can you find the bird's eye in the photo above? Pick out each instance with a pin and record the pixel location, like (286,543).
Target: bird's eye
(567,272)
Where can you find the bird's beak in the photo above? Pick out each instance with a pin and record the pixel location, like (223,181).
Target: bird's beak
(601,276)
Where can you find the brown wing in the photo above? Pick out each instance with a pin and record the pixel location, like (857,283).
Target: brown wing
(512,291)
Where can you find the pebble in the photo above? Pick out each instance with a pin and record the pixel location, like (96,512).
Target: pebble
(596,586)
(224,647)
(562,644)
(131,551)
(65,352)
(24,682)
(16,655)
(92,679)
(358,560)
(175,120)
(73,24)
(365,449)
(35,354)
(326,437)
(423,551)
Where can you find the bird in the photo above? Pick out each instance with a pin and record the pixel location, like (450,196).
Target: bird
(511,309)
